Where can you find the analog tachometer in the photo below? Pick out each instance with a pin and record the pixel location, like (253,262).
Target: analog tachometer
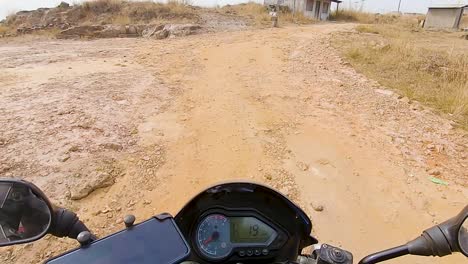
(213,236)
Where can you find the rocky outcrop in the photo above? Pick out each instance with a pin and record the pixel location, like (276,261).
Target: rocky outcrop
(42,18)
(106,31)
(66,16)
(129,31)
(176,30)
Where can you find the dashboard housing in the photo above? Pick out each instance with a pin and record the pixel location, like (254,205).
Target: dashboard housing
(249,199)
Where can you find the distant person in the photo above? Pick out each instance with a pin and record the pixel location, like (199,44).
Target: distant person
(274,15)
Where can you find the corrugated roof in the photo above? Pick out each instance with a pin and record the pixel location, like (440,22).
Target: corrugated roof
(449,6)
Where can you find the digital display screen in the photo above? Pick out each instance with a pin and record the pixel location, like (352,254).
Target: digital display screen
(250,230)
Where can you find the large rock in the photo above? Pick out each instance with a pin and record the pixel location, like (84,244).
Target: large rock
(157,32)
(182,30)
(164,31)
(92,182)
(102,31)
(80,32)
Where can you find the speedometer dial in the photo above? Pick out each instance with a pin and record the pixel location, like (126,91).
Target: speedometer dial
(213,236)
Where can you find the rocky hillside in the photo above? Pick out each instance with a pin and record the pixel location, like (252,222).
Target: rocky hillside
(102,12)
(116,18)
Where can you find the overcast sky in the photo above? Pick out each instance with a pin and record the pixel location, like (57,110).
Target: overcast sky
(379,6)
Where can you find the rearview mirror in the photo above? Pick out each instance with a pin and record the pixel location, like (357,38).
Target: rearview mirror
(25,212)
(463,237)
(440,240)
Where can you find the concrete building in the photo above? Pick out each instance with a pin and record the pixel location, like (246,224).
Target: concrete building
(318,9)
(444,16)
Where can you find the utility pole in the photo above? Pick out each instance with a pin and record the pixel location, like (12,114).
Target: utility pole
(399,5)
(362,5)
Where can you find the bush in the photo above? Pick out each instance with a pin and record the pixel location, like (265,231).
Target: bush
(102,6)
(4,30)
(296,18)
(352,16)
(147,11)
(123,12)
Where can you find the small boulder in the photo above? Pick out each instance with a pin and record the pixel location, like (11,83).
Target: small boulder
(434,172)
(317,207)
(384,92)
(302,166)
(405,100)
(112,146)
(161,34)
(64,158)
(149,32)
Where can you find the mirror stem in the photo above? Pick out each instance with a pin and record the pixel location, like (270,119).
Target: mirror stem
(385,255)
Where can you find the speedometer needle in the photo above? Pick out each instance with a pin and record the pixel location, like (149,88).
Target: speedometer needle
(206,242)
(213,236)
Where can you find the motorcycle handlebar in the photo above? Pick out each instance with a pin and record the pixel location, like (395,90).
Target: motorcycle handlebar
(67,224)
(385,255)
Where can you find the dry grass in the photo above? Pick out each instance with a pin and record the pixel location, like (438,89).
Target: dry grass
(370,18)
(121,20)
(405,60)
(297,18)
(49,33)
(256,12)
(123,12)
(4,30)
(352,16)
(102,6)
(367,29)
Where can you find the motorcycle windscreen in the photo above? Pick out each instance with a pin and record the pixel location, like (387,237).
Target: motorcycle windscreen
(152,241)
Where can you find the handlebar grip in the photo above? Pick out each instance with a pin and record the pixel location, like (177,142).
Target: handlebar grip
(67,224)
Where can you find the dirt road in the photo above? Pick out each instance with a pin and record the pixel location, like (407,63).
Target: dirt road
(112,127)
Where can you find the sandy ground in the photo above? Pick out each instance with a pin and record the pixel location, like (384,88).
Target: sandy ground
(118,126)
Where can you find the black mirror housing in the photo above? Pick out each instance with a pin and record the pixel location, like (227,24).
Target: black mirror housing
(451,230)
(26,214)
(440,240)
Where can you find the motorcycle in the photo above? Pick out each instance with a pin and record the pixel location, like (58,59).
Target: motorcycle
(235,222)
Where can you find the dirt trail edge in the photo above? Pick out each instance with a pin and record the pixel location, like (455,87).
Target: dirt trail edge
(275,106)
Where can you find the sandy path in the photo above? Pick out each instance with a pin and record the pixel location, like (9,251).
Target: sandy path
(277,107)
